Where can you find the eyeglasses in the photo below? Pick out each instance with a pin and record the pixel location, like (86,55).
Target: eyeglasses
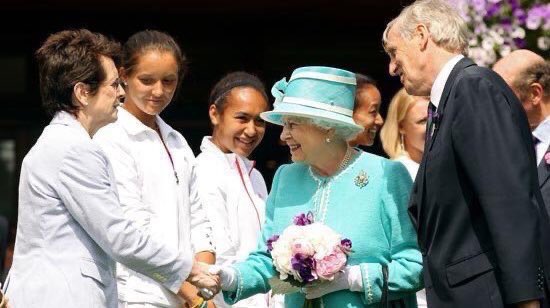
(115,84)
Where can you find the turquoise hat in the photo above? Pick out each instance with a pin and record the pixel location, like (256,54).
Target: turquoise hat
(315,92)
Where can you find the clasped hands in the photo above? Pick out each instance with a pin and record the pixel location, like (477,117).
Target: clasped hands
(206,282)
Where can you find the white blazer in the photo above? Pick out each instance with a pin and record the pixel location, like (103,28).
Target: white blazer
(158,202)
(233,193)
(71,228)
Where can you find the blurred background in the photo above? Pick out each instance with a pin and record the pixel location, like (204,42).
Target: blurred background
(267,38)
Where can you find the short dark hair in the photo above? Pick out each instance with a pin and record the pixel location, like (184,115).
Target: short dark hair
(363,80)
(67,58)
(538,72)
(151,40)
(218,95)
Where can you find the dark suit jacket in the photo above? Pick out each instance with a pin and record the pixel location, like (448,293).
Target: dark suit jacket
(544,183)
(476,202)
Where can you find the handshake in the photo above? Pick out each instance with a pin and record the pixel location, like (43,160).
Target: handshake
(210,279)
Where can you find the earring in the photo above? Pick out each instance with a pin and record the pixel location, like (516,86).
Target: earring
(402,137)
(327,140)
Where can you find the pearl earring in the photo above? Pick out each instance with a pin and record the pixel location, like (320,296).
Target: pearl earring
(327,140)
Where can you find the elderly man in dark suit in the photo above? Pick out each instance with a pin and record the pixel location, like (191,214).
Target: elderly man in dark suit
(528,74)
(476,203)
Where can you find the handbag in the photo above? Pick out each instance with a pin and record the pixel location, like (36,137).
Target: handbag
(385,302)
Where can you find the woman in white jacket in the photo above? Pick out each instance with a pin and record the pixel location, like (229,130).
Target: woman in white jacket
(232,190)
(154,166)
(71,228)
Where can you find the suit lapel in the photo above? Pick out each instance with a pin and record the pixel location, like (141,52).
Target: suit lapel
(459,67)
(415,206)
(543,171)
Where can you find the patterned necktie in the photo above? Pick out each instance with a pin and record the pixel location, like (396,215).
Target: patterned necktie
(432,114)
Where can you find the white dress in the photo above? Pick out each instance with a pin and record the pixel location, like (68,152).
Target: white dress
(158,192)
(233,193)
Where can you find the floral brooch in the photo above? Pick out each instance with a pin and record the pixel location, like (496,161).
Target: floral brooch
(362,179)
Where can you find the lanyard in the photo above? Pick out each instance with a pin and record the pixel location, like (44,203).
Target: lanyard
(246,189)
(171,160)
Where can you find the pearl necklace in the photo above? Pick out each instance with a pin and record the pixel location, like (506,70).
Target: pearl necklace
(322,194)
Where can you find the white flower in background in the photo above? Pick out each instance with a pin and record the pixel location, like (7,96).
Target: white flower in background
(501,26)
(498,39)
(543,42)
(488,43)
(518,32)
(505,50)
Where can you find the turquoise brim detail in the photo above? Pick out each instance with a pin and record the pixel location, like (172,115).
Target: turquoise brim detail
(284,109)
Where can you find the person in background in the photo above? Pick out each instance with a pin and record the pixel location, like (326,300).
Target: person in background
(404,133)
(71,228)
(403,137)
(154,167)
(359,195)
(232,190)
(366,111)
(528,74)
(476,204)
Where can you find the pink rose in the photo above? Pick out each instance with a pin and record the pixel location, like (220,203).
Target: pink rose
(547,158)
(302,247)
(331,264)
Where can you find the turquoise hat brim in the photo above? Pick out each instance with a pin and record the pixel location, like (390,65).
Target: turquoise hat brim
(284,109)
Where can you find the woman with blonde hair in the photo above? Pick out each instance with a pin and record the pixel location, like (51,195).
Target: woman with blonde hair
(404,133)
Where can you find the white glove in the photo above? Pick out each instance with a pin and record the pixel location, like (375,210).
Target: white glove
(228,277)
(349,279)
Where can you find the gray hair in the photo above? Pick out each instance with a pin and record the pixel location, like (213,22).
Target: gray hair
(341,131)
(447,28)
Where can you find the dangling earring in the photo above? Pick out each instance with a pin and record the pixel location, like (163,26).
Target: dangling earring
(327,140)
(402,137)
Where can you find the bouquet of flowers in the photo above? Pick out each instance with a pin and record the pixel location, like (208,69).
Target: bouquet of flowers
(306,252)
(501,26)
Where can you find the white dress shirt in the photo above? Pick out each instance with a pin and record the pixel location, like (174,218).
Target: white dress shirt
(71,228)
(233,193)
(160,198)
(542,133)
(441,80)
(410,164)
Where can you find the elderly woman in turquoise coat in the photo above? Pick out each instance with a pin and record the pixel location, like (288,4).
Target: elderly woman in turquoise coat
(361,196)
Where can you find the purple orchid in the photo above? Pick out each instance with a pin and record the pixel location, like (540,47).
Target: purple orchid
(346,245)
(303,219)
(305,266)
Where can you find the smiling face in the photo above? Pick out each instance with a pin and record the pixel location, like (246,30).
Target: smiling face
(367,114)
(151,84)
(238,127)
(306,141)
(406,61)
